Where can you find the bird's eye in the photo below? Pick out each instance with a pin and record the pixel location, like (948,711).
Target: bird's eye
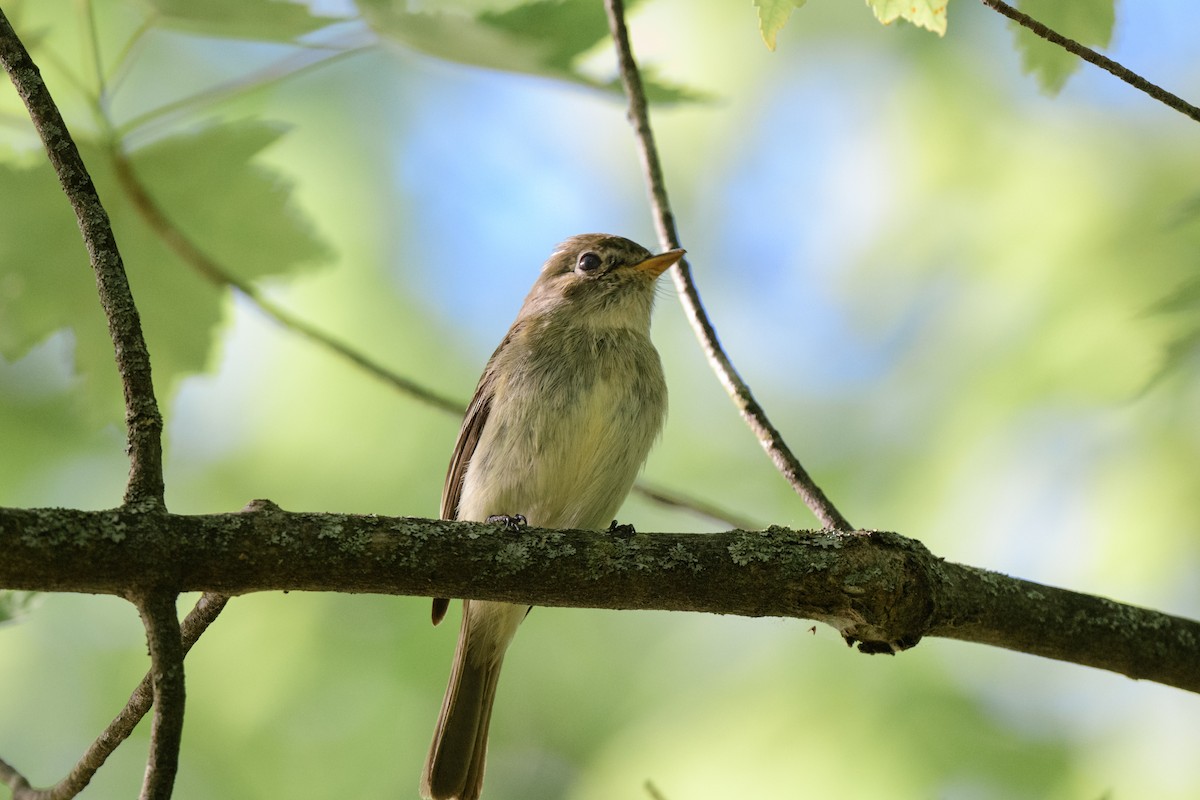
(589,262)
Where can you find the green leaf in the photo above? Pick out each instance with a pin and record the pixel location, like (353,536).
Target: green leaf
(1089,22)
(210,186)
(544,37)
(772,16)
(561,31)
(265,20)
(1180,356)
(928,14)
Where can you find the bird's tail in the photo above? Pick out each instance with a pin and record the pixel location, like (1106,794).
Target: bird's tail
(454,768)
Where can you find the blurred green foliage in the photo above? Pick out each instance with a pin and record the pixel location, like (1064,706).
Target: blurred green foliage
(970,308)
(1088,22)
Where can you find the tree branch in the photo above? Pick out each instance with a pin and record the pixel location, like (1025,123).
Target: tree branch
(157,609)
(203,614)
(754,415)
(879,589)
(142,418)
(1092,57)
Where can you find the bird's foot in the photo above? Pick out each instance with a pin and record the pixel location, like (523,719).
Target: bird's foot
(625,530)
(511,523)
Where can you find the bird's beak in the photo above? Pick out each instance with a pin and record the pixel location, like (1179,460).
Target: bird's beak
(657,265)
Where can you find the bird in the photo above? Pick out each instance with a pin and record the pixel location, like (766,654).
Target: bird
(560,424)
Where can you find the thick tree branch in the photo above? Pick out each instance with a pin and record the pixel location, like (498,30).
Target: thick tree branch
(754,415)
(142,418)
(880,589)
(157,608)
(1092,57)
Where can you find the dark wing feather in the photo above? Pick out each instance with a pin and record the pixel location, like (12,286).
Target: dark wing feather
(464,448)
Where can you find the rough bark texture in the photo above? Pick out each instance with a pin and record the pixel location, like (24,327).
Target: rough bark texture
(879,589)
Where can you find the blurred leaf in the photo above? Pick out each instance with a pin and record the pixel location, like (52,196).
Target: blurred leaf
(207,183)
(562,29)
(1180,355)
(772,16)
(1089,22)
(14,605)
(1184,299)
(1187,212)
(266,20)
(928,14)
(1183,352)
(45,282)
(544,37)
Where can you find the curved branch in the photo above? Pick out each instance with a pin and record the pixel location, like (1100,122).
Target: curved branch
(142,418)
(879,589)
(157,609)
(187,250)
(754,415)
(1091,56)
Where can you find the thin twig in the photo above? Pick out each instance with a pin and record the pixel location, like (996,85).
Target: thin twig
(203,614)
(1087,54)
(768,436)
(673,499)
(157,609)
(142,418)
(16,782)
(296,64)
(187,250)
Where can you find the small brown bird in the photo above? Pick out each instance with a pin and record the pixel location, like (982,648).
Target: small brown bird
(560,424)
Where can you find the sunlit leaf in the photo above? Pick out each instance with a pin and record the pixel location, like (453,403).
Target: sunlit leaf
(1089,22)
(772,16)
(266,20)
(545,37)
(211,187)
(928,14)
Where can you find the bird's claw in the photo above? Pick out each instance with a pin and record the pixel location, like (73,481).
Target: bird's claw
(511,523)
(625,530)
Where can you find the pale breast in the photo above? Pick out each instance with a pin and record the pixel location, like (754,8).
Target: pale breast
(570,426)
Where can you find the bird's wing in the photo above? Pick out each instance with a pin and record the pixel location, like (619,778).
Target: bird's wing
(468,437)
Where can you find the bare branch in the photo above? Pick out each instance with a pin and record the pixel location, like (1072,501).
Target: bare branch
(142,418)
(754,415)
(157,609)
(879,589)
(1092,57)
(203,614)
(673,499)
(16,782)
